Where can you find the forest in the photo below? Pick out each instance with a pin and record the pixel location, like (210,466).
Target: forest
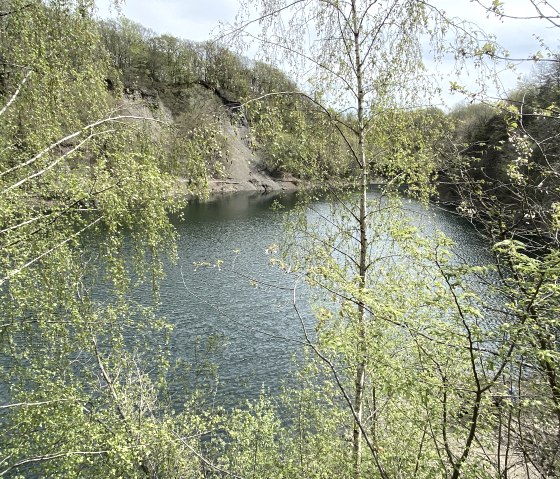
(417,364)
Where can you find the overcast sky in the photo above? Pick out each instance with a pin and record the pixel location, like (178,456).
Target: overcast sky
(188,19)
(198,19)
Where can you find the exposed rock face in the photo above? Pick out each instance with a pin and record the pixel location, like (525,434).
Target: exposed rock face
(149,96)
(145,103)
(244,168)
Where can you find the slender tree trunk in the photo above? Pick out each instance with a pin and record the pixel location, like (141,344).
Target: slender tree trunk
(361,324)
(361,319)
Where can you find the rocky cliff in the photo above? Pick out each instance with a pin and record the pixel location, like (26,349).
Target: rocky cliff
(243,167)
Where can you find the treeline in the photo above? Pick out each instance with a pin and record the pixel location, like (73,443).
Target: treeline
(294,135)
(288,130)
(144,58)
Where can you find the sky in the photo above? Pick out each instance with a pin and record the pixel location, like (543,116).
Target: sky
(188,19)
(198,20)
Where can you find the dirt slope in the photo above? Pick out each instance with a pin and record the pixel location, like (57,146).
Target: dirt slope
(244,169)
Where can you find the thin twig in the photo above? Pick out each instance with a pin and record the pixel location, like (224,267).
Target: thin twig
(15,272)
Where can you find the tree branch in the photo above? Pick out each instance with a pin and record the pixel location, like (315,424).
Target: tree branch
(74,135)
(15,95)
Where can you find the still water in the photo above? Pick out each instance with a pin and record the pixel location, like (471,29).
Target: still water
(239,316)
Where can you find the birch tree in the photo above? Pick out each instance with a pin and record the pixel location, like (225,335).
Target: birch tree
(376,337)
(364,57)
(77,178)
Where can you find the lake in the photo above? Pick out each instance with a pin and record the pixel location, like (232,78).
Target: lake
(239,316)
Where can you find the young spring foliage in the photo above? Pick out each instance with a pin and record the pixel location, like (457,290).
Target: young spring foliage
(84,209)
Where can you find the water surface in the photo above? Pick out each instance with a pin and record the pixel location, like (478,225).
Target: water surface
(237,313)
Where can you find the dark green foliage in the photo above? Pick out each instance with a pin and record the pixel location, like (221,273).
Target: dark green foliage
(289,131)
(509,157)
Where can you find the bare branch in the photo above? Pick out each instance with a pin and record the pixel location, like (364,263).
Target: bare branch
(50,457)
(15,95)
(15,272)
(52,146)
(553,18)
(56,162)
(37,403)
(243,27)
(11,12)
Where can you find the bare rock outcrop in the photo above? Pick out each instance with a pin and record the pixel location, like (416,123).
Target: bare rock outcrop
(244,167)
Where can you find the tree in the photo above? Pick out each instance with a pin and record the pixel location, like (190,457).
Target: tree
(363,55)
(126,42)
(507,183)
(506,179)
(81,184)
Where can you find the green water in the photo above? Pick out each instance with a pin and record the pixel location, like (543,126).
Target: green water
(255,335)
